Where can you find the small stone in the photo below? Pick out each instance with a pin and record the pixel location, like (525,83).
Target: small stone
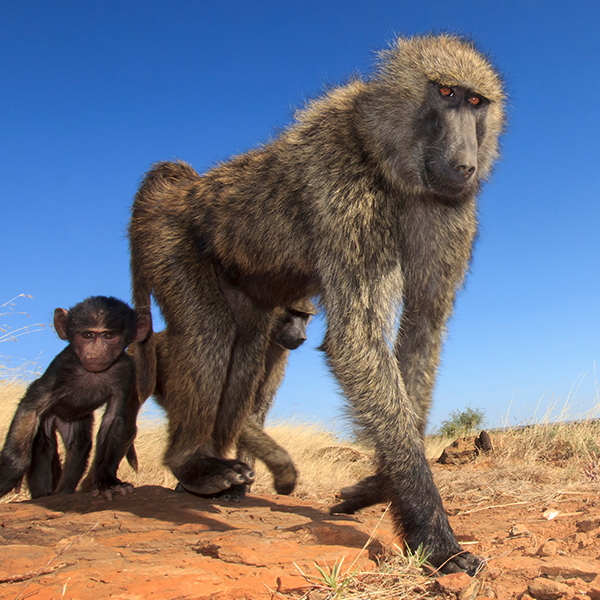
(470,592)
(487,591)
(53,514)
(501,592)
(587,525)
(519,531)
(549,548)
(546,589)
(460,452)
(550,514)
(582,540)
(569,568)
(484,442)
(454,583)
(594,593)
(578,585)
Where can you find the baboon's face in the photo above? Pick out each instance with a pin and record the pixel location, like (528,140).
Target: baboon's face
(100,333)
(291,330)
(452,127)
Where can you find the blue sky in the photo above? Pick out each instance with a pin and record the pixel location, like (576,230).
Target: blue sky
(91,94)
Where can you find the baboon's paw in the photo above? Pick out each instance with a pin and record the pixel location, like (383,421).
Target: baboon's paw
(366,492)
(284,478)
(465,561)
(212,475)
(444,554)
(343,508)
(234,494)
(348,492)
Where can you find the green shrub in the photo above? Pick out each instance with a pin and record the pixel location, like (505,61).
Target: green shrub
(462,422)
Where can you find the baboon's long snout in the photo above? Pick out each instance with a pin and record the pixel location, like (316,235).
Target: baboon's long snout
(463,168)
(462,155)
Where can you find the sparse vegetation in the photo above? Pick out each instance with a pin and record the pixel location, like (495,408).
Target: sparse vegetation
(462,422)
(7,312)
(334,581)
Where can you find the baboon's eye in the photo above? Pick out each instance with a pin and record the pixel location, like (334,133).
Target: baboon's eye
(474,100)
(446,91)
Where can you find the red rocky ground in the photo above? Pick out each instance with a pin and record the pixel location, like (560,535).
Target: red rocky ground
(158,544)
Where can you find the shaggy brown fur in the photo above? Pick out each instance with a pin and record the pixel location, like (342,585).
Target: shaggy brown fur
(369,201)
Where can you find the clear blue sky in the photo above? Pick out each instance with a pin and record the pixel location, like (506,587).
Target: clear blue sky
(91,94)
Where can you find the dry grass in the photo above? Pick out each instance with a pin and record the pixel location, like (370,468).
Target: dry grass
(533,461)
(396,577)
(325,463)
(538,462)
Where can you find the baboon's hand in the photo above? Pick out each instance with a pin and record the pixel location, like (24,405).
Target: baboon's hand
(345,507)
(235,494)
(366,492)
(284,478)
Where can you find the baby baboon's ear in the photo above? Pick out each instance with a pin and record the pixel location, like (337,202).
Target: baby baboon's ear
(60,322)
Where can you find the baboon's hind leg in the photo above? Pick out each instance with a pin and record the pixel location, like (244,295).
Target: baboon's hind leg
(199,344)
(256,442)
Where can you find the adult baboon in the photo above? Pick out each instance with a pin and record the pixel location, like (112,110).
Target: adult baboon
(369,201)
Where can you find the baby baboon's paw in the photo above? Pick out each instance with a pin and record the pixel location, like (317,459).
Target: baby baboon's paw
(109,492)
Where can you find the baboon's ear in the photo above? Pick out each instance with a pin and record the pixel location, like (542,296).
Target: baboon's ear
(143,326)
(60,322)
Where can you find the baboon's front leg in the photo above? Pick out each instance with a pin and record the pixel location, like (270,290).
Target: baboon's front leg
(418,350)
(368,372)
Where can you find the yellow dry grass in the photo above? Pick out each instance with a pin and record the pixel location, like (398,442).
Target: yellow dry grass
(537,459)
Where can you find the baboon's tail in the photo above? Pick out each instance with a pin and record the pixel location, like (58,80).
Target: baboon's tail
(132,458)
(144,353)
(155,184)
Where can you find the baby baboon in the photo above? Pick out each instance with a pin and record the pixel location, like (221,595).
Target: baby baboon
(367,200)
(91,371)
(289,333)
